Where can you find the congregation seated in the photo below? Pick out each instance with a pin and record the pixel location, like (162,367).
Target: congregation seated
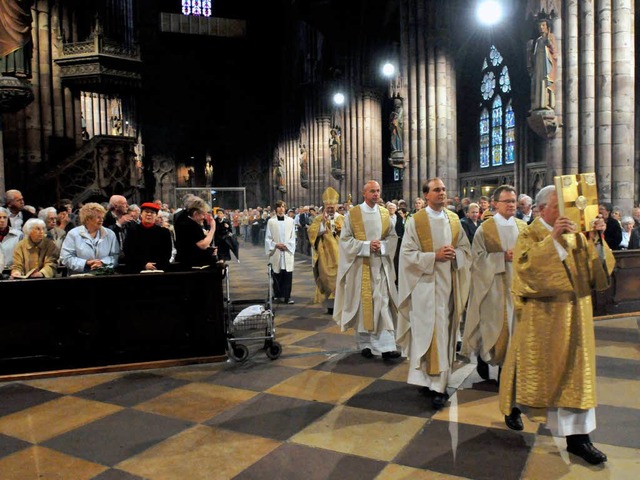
(35,256)
(50,217)
(147,245)
(90,246)
(9,238)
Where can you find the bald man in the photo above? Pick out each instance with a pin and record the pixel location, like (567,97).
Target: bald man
(365,297)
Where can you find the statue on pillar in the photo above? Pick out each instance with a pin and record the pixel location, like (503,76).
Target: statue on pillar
(542,66)
(396,128)
(542,59)
(279,181)
(304,166)
(335,147)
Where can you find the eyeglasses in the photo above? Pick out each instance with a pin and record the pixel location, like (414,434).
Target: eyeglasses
(507,201)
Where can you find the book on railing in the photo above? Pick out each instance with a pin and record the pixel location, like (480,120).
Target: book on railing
(151,271)
(578,198)
(201,267)
(26,275)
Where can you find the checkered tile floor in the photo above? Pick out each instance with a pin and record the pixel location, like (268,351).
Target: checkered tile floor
(320,411)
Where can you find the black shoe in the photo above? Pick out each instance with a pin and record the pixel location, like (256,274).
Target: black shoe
(366,353)
(483,369)
(390,355)
(587,452)
(439,400)
(513,420)
(330,311)
(289,301)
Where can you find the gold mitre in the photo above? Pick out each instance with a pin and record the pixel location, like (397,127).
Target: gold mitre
(578,198)
(330,196)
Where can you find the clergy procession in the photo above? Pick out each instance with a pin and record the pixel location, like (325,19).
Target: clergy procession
(515,298)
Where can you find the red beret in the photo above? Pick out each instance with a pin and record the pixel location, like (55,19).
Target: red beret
(150,206)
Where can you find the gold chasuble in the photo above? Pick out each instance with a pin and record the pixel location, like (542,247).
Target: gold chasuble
(423,229)
(494,245)
(357,224)
(325,255)
(551,360)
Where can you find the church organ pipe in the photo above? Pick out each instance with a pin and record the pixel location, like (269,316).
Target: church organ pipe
(603,89)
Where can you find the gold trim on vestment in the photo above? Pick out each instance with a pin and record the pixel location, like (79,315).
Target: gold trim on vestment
(423,229)
(359,233)
(493,244)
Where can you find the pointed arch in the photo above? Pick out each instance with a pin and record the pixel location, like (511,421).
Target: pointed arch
(496,122)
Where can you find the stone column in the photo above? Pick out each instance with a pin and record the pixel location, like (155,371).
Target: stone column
(372,126)
(571,104)
(554,147)
(323,173)
(604,94)
(623,128)
(587,96)
(442,147)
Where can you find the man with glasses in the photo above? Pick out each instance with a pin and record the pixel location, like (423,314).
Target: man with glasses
(490,318)
(432,291)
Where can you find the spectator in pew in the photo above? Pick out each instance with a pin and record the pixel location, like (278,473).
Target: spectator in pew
(194,242)
(627,230)
(9,238)
(147,245)
(90,246)
(55,233)
(17,213)
(35,255)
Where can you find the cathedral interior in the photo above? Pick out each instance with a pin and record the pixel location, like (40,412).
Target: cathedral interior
(139,98)
(283,99)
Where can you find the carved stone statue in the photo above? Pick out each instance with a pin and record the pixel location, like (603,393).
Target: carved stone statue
(279,179)
(542,66)
(304,166)
(396,127)
(335,147)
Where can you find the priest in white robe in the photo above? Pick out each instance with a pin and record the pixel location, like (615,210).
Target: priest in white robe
(490,317)
(365,297)
(432,291)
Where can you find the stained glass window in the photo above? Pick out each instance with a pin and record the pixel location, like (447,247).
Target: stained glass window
(196,8)
(484,138)
(494,56)
(488,86)
(510,136)
(497,123)
(505,81)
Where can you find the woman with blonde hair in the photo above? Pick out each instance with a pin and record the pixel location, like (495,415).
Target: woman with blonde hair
(90,246)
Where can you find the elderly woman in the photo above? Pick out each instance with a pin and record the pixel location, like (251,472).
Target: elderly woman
(193,240)
(35,256)
(627,229)
(90,246)
(9,238)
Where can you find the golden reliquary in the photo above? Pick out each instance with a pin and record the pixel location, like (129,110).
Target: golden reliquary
(578,198)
